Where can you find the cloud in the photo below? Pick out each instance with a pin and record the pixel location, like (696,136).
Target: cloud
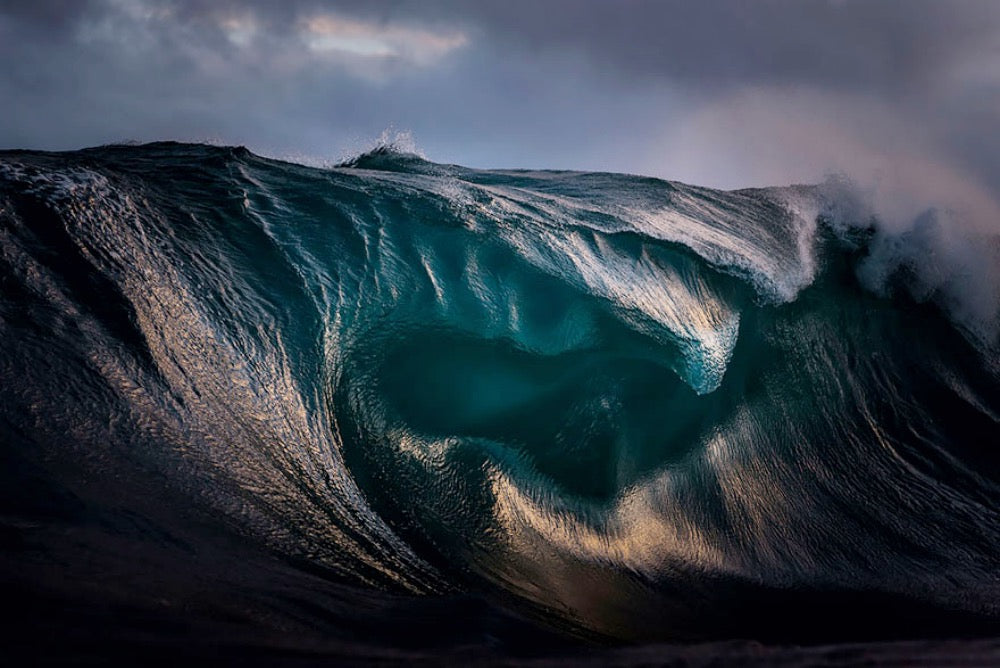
(328,32)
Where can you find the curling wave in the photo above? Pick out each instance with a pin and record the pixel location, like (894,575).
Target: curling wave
(621,407)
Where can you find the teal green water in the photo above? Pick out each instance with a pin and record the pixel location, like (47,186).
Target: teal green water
(630,407)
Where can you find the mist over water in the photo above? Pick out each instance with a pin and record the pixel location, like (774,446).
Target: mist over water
(574,406)
(927,242)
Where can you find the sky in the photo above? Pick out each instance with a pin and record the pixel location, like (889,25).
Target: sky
(724,93)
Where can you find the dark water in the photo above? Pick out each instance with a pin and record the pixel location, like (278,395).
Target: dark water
(397,410)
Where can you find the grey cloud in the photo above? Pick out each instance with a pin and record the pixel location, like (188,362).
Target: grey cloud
(713,42)
(835,42)
(52,16)
(820,43)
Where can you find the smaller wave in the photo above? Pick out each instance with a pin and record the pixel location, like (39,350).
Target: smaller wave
(393,150)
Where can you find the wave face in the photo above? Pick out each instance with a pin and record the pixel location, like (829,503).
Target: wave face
(615,407)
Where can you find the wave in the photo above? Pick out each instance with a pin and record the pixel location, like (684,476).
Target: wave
(620,407)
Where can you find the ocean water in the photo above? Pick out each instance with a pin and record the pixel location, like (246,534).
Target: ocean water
(393,410)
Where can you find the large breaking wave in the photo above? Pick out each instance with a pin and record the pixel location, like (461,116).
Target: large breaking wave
(621,407)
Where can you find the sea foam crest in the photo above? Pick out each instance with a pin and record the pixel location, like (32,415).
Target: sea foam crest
(943,254)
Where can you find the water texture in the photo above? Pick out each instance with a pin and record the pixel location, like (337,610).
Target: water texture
(393,403)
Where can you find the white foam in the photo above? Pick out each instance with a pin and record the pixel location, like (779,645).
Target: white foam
(950,253)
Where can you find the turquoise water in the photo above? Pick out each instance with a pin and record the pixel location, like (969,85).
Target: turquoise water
(623,408)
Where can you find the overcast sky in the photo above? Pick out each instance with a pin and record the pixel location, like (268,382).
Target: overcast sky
(725,93)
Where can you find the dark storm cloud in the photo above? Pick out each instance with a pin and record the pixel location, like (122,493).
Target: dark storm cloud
(50,15)
(845,43)
(723,92)
(848,43)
